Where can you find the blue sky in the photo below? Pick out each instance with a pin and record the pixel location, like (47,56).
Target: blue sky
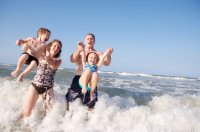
(148,36)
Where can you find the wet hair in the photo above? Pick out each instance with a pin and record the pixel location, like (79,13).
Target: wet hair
(91,35)
(91,53)
(50,44)
(43,31)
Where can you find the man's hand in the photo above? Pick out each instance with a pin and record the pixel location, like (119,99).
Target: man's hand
(80,46)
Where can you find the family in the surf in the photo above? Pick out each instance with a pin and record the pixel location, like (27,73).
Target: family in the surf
(46,58)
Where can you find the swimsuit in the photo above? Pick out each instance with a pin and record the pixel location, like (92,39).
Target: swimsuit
(87,87)
(74,92)
(93,68)
(44,78)
(40,89)
(30,59)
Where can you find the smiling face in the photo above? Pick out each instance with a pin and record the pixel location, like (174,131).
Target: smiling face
(45,37)
(89,40)
(55,48)
(92,58)
(43,34)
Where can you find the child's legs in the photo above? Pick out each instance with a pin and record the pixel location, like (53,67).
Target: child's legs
(84,79)
(22,59)
(30,101)
(28,69)
(93,84)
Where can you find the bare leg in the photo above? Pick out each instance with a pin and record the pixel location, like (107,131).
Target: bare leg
(93,84)
(48,99)
(22,59)
(84,79)
(30,101)
(28,69)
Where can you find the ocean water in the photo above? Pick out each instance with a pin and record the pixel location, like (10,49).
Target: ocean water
(127,103)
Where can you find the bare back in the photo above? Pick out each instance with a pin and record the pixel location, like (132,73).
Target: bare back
(35,48)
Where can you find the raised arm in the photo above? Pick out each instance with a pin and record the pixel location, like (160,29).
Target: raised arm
(83,58)
(76,55)
(23,41)
(54,63)
(107,59)
(106,55)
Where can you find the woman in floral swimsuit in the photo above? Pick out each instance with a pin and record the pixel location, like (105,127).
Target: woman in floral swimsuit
(44,79)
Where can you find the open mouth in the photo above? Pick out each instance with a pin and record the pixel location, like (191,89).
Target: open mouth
(89,43)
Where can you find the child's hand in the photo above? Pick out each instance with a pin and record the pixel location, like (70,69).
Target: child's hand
(43,49)
(48,54)
(109,51)
(18,42)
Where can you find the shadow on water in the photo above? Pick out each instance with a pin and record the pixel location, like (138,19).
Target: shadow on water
(141,98)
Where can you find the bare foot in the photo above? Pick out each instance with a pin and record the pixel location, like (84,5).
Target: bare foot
(20,78)
(15,73)
(91,97)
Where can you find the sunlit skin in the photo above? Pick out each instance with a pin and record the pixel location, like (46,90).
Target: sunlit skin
(92,59)
(89,41)
(55,48)
(76,58)
(34,47)
(89,47)
(45,37)
(32,95)
(89,78)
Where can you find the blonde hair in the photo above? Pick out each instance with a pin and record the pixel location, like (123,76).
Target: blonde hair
(42,31)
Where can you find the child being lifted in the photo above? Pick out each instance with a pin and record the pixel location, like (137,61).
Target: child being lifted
(32,50)
(91,63)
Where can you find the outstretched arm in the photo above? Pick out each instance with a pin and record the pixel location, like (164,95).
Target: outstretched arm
(76,55)
(23,41)
(107,59)
(106,55)
(83,58)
